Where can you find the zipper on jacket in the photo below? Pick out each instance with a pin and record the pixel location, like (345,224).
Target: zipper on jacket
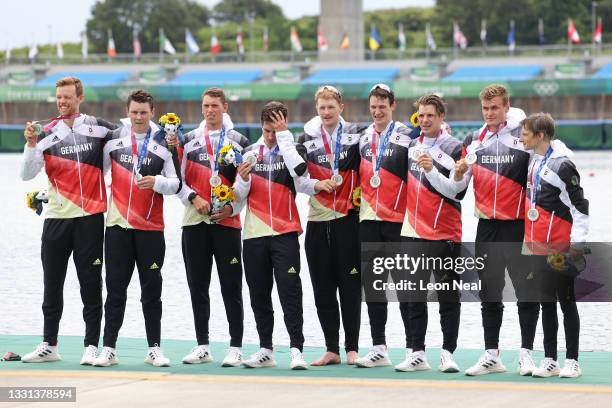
(127,216)
(496,176)
(59,193)
(552,217)
(270,188)
(79,170)
(416,204)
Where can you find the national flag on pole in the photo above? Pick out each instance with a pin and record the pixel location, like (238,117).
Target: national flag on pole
(459,37)
(401,37)
(296,45)
(321,41)
(266,40)
(7,55)
(483,32)
(84,45)
(215,45)
(136,45)
(60,50)
(191,43)
(374,41)
(511,34)
(164,43)
(541,31)
(598,32)
(346,42)
(240,41)
(431,43)
(33,52)
(110,47)
(572,33)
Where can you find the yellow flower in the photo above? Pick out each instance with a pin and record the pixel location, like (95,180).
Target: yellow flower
(225,149)
(414,119)
(171,118)
(357,197)
(556,261)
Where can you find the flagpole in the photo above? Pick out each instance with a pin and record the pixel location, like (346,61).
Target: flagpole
(454,42)
(593,22)
(427,45)
(161,50)
(569,39)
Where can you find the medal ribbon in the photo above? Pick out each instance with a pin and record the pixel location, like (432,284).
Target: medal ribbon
(137,156)
(377,160)
(212,158)
(535,183)
(334,161)
(54,121)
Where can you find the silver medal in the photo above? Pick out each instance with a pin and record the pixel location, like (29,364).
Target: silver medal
(471,158)
(215,181)
(375,181)
(416,153)
(337,178)
(38,129)
(137,176)
(533,214)
(251,159)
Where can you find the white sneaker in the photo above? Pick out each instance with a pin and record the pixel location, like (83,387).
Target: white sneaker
(155,356)
(447,362)
(107,358)
(233,358)
(571,369)
(548,368)
(89,355)
(489,363)
(297,360)
(526,365)
(199,354)
(415,361)
(43,353)
(378,356)
(260,359)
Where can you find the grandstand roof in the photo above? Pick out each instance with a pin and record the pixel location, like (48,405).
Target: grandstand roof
(495,73)
(89,78)
(352,76)
(210,78)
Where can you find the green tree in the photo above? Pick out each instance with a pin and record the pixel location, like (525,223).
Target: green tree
(239,11)
(145,17)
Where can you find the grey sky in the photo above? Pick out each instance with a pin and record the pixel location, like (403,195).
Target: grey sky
(45,21)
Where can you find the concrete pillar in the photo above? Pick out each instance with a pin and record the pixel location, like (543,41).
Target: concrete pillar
(337,18)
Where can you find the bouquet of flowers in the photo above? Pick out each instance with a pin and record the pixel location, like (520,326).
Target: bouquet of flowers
(221,196)
(229,155)
(357,197)
(36,199)
(171,127)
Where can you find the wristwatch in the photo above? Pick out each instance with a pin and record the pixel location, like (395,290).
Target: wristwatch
(192,196)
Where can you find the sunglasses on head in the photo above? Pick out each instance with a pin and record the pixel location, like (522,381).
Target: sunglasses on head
(384,87)
(331,89)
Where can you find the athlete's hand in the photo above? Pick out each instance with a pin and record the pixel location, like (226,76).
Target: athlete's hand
(201,205)
(425,162)
(146,182)
(30,136)
(225,212)
(279,122)
(324,185)
(576,253)
(172,140)
(460,168)
(244,169)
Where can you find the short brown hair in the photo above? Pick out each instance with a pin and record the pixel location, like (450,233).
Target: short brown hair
(382,93)
(140,96)
(215,93)
(274,106)
(493,91)
(540,123)
(67,81)
(433,100)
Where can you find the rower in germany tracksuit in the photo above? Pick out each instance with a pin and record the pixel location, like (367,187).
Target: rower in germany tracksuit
(382,172)
(332,232)
(498,164)
(557,223)
(69,148)
(432,225)
(271,250)
(142,171)
(207,234)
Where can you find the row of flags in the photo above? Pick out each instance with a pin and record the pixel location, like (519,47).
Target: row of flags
(374,40)
(573,37)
